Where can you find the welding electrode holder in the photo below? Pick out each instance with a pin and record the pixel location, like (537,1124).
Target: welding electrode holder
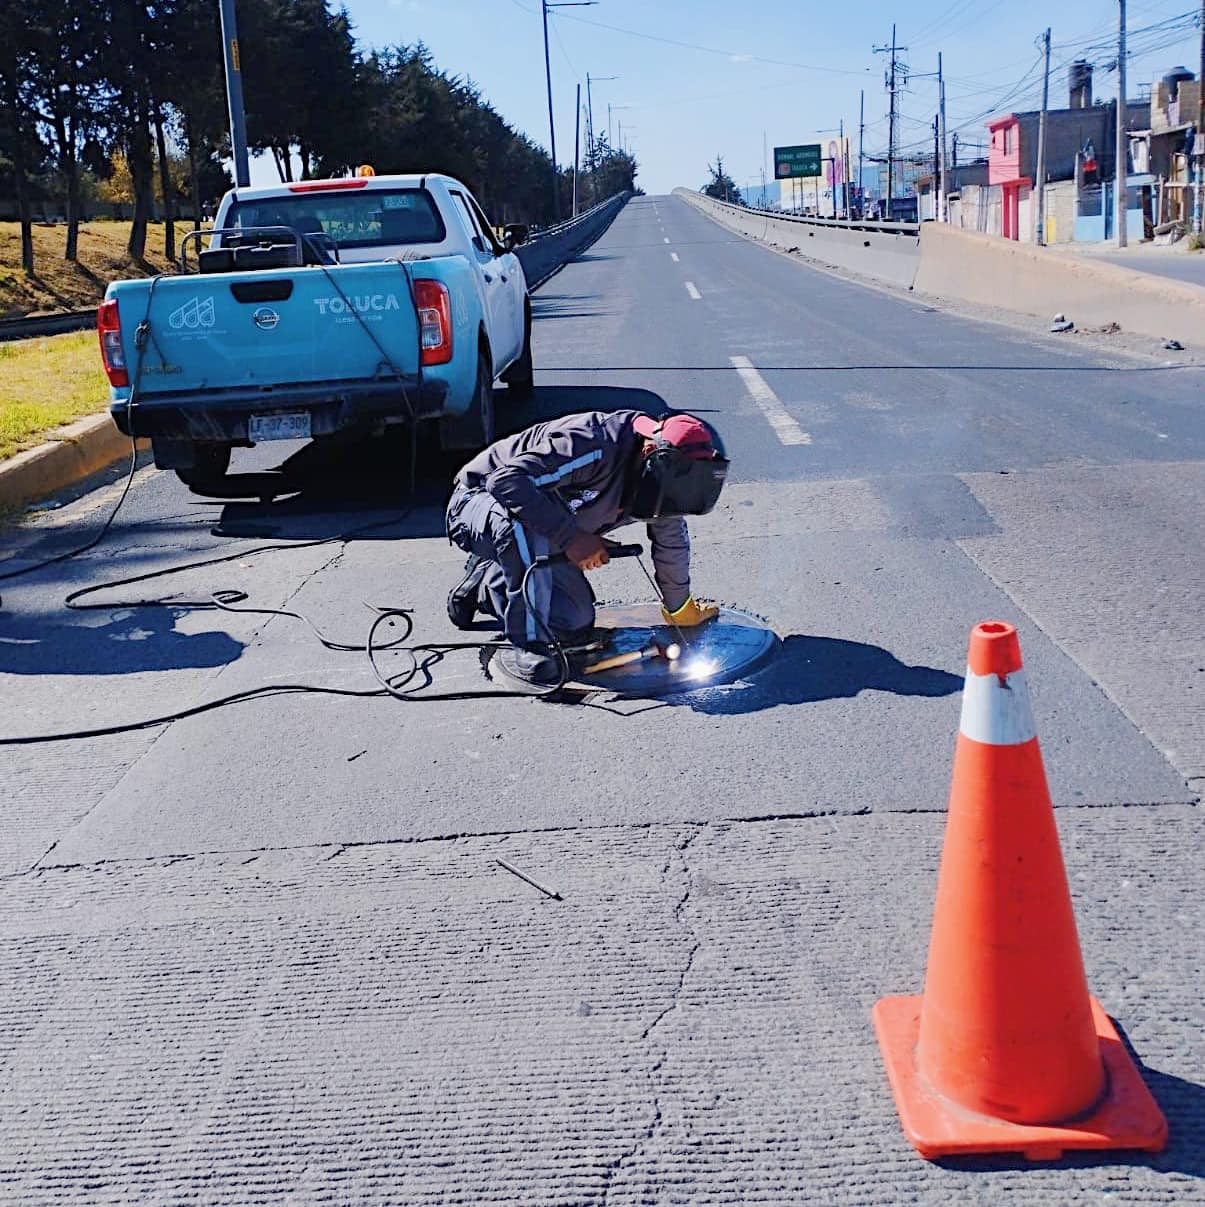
(613,551)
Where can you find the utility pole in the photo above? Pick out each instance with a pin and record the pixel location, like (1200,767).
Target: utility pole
(577,145)
(234,95)
(1040,229)
(891,128)
(936,172)
(1120,151)
(894,67)
(844,168)
(1198,143)
(943,214)
(861,134)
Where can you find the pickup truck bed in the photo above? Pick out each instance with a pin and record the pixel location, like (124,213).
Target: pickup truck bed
(321,306)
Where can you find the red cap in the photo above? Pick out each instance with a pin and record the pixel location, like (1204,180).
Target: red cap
(682,431)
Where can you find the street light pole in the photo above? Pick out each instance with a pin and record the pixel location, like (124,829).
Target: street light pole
(577,144)
(590,140)
(545,5)
(234,95)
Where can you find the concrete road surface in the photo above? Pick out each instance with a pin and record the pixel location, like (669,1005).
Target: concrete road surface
(267,952)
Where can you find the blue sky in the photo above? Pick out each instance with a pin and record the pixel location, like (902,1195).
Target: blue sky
(775,66)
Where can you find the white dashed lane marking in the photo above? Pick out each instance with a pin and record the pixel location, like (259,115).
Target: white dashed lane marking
(694,293)
(673,255)
(785,428)
(667,238)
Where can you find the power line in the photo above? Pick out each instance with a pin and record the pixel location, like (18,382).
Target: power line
(728,54)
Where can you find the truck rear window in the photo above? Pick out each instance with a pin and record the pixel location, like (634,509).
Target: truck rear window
(371,218)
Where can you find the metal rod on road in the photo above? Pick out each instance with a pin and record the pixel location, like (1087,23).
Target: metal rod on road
(234,95)
(1120,154)
(1040,183)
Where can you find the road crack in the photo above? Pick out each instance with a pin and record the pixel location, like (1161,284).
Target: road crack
(677,863)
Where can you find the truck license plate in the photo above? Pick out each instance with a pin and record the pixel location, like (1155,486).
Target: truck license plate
(292,426)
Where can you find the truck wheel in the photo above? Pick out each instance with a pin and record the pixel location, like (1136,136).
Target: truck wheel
(208,471)
(475,428)
(520,377)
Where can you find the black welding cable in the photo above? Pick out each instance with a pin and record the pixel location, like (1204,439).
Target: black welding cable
(93,541)
(142,335)
(395,686)
(252,693)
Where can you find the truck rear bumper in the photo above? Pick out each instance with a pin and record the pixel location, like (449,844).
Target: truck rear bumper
(222,415)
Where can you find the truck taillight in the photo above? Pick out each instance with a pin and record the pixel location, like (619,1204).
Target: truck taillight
(434,321)
(108,327)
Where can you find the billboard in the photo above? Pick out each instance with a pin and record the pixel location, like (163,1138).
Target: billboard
(791,162)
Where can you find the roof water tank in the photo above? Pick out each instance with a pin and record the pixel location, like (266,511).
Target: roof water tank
(1174,78)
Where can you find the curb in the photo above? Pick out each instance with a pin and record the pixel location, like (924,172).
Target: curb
(72,453)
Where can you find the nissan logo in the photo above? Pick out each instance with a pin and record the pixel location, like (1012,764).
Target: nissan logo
(265,318)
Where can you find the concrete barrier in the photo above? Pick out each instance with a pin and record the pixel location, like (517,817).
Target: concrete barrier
(551,249)
(991,271)
(886,251)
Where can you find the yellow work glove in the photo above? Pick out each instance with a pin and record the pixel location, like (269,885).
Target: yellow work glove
(691,613)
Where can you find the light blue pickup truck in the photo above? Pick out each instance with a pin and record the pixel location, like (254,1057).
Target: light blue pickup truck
(318,307)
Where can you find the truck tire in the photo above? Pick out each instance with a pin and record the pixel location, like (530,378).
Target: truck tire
(520,377)
(475,428)
(208,471)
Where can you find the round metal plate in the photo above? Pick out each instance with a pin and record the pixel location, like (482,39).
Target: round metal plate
(721,651)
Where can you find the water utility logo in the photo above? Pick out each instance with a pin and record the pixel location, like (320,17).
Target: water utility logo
(194,314)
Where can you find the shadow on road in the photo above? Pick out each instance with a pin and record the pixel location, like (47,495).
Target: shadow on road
(1183,1102)
(329,487)
(808,670)
(127,642)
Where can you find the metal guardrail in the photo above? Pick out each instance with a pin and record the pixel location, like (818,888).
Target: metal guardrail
(559,228)
(875,226)
(47,324)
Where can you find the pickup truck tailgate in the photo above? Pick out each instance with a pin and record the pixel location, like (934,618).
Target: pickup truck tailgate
(265,328)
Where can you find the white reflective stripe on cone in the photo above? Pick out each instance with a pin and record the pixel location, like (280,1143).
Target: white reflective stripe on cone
(995,713)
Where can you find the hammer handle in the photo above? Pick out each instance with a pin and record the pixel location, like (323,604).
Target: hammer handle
(616,660)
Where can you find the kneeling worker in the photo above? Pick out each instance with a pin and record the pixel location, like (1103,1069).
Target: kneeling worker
(556,488)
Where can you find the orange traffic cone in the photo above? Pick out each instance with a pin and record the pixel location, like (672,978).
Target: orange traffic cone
(1006,1051)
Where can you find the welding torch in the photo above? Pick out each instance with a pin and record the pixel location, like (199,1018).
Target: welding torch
(617,550)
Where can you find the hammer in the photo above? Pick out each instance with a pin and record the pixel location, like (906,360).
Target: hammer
(655,649)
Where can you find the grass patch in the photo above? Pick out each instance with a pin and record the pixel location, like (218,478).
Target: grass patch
(59,284)
(45,383)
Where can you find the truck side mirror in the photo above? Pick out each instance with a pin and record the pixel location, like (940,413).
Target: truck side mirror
(514,235)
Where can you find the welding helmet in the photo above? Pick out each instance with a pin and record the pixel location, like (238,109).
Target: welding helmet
(682,473)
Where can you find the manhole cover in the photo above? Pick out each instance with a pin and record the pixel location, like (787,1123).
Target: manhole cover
(721,651)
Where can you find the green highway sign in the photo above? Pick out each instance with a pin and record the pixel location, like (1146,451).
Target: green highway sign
(790,162)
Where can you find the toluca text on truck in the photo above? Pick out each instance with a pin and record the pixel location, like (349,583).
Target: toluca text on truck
(319,307)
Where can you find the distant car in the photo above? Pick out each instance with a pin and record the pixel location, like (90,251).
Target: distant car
(321,306)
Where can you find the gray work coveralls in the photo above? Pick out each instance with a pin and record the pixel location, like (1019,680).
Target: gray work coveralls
(529,494)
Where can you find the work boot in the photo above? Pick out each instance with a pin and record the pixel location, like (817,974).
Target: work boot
(463,598)
(533,666)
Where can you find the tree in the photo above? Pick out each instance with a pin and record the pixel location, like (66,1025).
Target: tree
(19,141)
(194,88)
(721,186)
(65,71)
